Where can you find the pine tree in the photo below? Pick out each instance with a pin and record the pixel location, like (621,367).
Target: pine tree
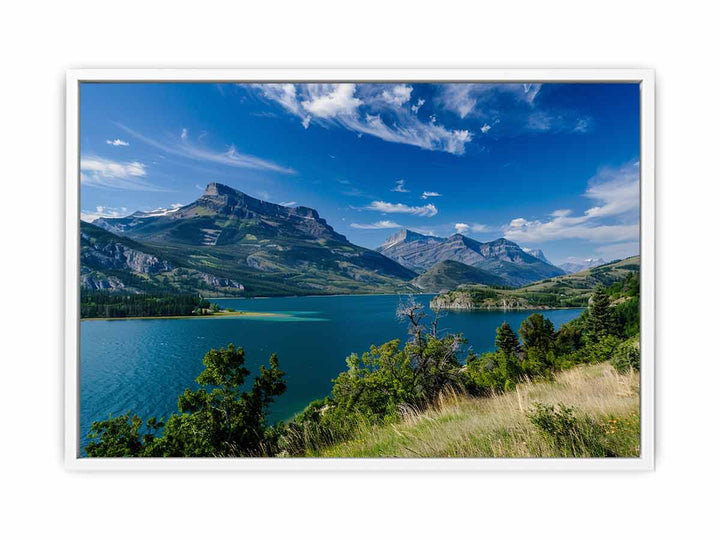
(600,315)
(506,341)
(537,332)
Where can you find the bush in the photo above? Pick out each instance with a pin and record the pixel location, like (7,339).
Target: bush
(571,436)
(627,356)
(602,351)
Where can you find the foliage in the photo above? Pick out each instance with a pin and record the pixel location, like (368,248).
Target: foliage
(574,290)
(380,383)
(121,436)
(110,305)
(506,341)
(600,316)
(571,436)
(627,356)
(218,419)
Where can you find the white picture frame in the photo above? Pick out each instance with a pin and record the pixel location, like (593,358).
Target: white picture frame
(644,77)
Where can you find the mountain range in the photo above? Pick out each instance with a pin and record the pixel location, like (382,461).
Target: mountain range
(572,268)
(264,248)
(501,257)
(227,242)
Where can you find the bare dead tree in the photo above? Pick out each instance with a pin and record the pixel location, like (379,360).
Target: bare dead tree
(436,319)
(414,312)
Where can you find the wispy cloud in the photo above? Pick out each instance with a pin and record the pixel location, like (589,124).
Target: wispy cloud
(289,203)
(510,107)
(485,100)
(117,142)
(615,193)
(128,175)
(428,210)
(187,149)
(376,225)
(400,187)
(428,194)
(381,111)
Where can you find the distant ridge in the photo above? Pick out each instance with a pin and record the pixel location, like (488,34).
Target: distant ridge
(501,257)
(572,268)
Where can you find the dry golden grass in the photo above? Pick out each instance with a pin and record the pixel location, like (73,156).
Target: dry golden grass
(498,426)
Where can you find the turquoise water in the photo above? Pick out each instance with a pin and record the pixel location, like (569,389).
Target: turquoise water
(143,365)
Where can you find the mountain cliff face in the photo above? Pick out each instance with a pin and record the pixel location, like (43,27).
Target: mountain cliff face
(538,253)
(110,262)
(269,248)
(500,257)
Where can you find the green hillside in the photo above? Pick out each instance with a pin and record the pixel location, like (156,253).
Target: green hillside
(605,415)
(447,275)
(572,290)
(264,248)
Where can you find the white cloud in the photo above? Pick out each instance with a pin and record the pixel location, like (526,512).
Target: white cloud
(376,110)
(463,228)
(486,128)
(289,203)
(117,142)
(398,96)
(613,219)
(485,100)
(231,157)
(415,108)
(331,100)
(284,94)
(428,210)
(427,194)
(112,169)
(101,172)
(540,121)
(376,225)
(400,187)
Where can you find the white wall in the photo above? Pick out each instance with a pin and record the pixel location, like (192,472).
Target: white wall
(38,42)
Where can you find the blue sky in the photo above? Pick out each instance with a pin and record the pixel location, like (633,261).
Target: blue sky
(550,166)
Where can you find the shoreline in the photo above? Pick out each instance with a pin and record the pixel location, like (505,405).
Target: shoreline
(314,296)
(526,308)
(228,314)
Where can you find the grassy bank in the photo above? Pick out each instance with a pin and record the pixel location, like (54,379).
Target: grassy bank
(605,420)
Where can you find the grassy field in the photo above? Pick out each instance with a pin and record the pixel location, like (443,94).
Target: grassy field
(604,422)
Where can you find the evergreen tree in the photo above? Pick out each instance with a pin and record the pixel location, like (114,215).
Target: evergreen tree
(537,332)
(506,341)
(600,322)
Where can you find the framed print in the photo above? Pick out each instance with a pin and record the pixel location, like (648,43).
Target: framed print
(360,269)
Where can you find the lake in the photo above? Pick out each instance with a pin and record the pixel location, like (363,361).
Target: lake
(143,365)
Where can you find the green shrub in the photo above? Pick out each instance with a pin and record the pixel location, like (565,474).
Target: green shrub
(571,436)
(602,351)
(627,356)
